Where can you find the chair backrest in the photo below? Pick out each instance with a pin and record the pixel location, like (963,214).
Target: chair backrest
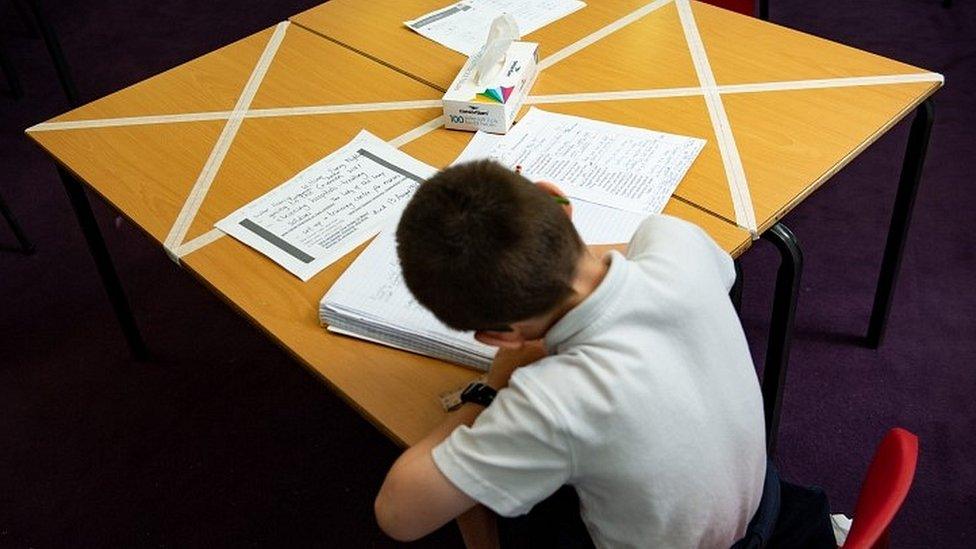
(884,489)
(745,7)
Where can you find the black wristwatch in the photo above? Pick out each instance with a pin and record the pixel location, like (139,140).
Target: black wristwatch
(478,393)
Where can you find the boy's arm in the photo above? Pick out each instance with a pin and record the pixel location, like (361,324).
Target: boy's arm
(416,498)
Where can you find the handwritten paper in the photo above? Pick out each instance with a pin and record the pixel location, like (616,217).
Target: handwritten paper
(329,208)
(623,167)
(372,302)
(463,26)
(616,175)
(596,224)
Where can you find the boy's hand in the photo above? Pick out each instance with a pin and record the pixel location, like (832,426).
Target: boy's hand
(555,191)
(416,497)
(507,360)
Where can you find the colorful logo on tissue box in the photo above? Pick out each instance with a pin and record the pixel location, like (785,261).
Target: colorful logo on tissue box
(495,95)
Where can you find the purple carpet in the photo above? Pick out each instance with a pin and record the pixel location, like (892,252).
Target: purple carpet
(223,440)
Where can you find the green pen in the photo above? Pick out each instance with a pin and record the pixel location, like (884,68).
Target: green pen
(559,199)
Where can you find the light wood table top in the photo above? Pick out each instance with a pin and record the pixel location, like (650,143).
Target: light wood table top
(146,168)
(376,29)
(790,138)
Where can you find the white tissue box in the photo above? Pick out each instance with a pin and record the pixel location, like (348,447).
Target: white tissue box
(491,107)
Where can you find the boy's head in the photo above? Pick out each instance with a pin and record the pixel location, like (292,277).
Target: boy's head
(483,248)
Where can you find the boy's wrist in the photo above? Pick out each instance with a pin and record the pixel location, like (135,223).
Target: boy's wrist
(507,360)
(498,379)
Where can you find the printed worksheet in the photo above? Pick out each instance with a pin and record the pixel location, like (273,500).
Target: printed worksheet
(329,208)
(463,26)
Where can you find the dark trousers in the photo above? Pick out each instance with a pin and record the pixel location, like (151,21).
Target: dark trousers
(804,519)
(789,517)
(553,523)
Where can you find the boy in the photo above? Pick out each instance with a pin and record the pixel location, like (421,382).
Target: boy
(627,377)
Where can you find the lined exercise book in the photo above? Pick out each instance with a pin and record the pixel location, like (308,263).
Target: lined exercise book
(371,301)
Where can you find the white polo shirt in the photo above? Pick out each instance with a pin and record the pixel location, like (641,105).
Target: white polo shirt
(648,404)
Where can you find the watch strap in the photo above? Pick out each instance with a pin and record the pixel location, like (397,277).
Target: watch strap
(478,393)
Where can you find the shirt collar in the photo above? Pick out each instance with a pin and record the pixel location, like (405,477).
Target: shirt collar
(590,309)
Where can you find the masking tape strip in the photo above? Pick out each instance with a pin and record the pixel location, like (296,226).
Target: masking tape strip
(822,83)
(417,132)
(786,85)
(601,33)
(745,217)
(612,96)
(199,242)
(843,82)
(130,121)
(347,108)
(224,115)
(217,154)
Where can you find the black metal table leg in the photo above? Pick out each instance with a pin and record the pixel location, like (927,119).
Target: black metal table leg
(764,10)
(96,245)
(25,244)
(735,294)
(54,49)
(901,217)
(780,327)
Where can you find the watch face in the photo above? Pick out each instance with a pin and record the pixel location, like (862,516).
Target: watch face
(478,393)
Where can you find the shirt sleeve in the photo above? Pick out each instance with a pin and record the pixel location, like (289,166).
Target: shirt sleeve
(512,457)
(679,238)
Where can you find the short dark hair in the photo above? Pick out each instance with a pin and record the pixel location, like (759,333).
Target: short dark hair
(483,247)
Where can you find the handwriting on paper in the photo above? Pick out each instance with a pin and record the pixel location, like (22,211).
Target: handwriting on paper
(330,207)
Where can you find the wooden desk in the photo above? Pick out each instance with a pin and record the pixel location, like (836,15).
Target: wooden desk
(146,168)
(790,140)
(782,110)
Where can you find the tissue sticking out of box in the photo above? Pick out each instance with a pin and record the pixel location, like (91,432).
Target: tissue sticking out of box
(493,83)
(504,30)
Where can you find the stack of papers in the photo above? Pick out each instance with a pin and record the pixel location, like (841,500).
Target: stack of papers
(371,301)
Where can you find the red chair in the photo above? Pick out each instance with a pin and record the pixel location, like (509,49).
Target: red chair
(884,489)
(745,7)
